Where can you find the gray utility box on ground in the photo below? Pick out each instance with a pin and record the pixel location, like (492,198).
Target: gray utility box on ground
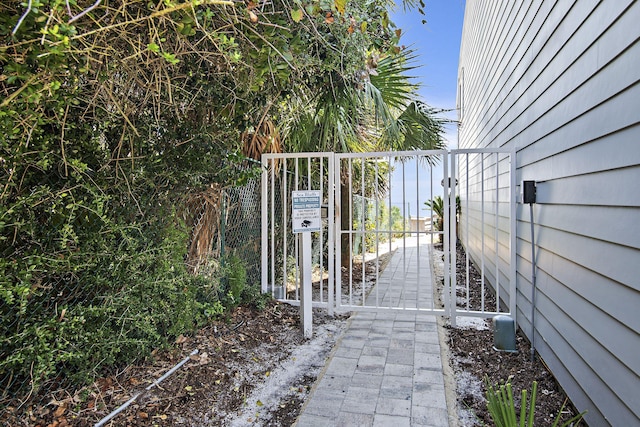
(504,333)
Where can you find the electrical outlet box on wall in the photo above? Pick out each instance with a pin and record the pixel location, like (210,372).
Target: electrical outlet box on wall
(528,192)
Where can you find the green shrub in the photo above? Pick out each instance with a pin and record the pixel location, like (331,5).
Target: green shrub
(236,275)
(235,289)
(127,299)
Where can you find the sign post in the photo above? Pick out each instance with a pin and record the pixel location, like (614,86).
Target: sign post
(306,219)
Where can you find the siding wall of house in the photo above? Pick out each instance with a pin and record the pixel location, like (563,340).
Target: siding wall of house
(560,82)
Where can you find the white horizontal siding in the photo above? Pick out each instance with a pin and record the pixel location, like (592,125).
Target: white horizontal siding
(616,187)
(613,151)
(609,224)
(560,82)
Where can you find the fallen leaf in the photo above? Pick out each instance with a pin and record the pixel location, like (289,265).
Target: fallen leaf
(143,415)
(297,15)
(253,17)
(105,384)
(329,18)
(59,412)
(181,339)
(259,403)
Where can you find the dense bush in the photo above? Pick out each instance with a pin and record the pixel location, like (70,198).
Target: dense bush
(91,275)
(101,141)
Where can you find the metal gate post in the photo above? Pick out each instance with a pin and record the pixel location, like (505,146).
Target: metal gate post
(306,312)
(451,196)
(264,225)
(337,239)
(512,238)
(331,227)
(446,291)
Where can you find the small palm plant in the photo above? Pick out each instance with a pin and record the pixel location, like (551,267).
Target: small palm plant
(437,206)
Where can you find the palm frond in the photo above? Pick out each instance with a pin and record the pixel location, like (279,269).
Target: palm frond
(421,127)
(390,85)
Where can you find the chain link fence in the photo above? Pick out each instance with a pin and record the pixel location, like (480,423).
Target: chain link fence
(227,222)
(49,336)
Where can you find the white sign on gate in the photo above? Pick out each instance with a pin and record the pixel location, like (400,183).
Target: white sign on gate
(305,215)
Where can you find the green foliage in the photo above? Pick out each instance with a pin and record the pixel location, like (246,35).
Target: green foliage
(252,296)
(502,407)
(397,221)
(122,301)
(437,206)
(235,290)
(235,274)
(385,220)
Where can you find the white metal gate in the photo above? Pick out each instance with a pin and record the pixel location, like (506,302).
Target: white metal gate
(380,242)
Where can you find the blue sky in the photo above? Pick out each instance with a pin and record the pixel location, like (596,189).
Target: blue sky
(437,44)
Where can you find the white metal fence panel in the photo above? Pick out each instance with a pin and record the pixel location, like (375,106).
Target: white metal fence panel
(488,202)
(280,275)
(385,230)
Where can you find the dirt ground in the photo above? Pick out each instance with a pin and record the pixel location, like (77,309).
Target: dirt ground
(255,369)
(473,359)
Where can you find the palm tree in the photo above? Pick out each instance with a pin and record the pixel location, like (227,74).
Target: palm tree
(379,113)
(437,206)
